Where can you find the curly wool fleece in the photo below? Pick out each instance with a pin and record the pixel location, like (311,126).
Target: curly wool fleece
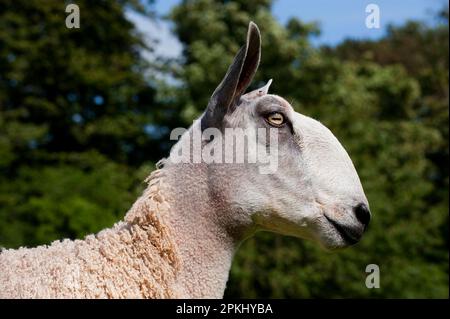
(136,258)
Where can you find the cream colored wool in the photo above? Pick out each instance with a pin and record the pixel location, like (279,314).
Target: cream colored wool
(136,258)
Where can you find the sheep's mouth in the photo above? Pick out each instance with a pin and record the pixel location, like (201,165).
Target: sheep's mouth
(351,236)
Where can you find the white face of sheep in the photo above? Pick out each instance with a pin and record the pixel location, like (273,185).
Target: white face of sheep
(312,192)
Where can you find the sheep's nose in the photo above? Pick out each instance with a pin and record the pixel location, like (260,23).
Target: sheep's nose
(362,213)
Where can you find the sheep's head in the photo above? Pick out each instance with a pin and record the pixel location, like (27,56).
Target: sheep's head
(292,176)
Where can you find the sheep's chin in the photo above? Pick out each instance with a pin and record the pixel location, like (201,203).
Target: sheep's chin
(330,238)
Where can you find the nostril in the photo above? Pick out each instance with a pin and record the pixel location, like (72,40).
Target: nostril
(362,214)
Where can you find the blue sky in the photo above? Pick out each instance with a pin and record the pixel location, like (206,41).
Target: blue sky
(338,19)
(346,18)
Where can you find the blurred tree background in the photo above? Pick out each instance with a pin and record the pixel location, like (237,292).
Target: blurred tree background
(84,115)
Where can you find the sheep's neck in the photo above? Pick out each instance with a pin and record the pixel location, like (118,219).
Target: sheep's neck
(205,247)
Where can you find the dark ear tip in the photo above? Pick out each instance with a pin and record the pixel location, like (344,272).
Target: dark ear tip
(253,35)
(252,25)
(253,29)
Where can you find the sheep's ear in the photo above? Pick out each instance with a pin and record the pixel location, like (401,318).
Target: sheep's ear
(258,92)
(238,78)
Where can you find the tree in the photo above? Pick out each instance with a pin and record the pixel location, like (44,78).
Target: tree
(75,108)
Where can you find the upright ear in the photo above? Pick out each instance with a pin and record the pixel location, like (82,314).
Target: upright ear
(258,92)
(238,78)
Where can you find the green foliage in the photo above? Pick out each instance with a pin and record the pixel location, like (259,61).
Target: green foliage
(79,197)
(74,106)
(83,116)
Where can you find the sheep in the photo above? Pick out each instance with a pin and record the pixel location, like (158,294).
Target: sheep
(179,238)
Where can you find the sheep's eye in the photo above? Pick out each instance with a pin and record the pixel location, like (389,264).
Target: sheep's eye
(275,119)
